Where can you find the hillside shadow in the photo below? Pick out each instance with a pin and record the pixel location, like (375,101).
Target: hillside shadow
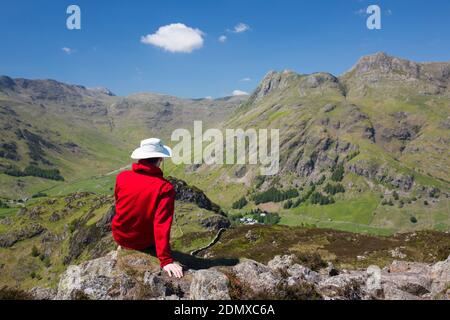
(197,263)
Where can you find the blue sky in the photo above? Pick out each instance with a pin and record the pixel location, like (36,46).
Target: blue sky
(304,36)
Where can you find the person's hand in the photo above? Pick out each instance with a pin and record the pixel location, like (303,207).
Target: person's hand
(173,269)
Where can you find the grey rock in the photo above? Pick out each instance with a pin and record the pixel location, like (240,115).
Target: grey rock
(440,276)
(258,276)
(209,285)
(42,293)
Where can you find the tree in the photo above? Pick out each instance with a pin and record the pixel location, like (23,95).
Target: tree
(275,195)
(338,173)
(3,205)
(318,198)
(288,204)
(35,252)
(333,189)
(242,202)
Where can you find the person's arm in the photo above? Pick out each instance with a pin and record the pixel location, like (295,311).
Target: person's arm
(162,224)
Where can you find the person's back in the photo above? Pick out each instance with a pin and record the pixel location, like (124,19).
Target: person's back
(144,210)
(145,205)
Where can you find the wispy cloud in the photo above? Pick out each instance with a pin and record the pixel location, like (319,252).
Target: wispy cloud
(245,80)
(239,93)
(176,37)
(223,38)
(67,50)
(240,28)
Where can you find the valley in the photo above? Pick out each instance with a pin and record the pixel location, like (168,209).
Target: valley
(364,170)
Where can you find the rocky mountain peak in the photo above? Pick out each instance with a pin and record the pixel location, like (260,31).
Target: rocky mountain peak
(385,64)
(273,81)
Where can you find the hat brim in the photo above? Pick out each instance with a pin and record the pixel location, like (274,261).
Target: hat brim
(140,154)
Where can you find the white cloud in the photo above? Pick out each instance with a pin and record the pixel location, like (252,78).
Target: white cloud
(239,93)
(223,38)
(208,98)
(67,50)
(245,80)
(241,27)
(175,37)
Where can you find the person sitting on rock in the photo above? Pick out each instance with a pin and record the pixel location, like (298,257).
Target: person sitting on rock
(145,205)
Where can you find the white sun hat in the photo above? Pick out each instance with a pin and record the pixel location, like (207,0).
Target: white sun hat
(151,148)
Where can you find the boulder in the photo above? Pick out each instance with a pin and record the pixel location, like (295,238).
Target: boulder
(257,276)
(440,276)
(209,285)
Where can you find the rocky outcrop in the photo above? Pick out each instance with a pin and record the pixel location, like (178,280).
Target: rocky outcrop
(186,193)
(382,174)
(9,239)
(120,275)
(271,82)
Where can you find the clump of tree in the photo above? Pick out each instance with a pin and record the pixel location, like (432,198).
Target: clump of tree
(267,218)
(3,205)
(239,204)
(288,204)
(387,202)
(34,171)
(305,197)
(338,173)
(51,174)
(259,216)
(275,195)
(319,198)
(413,219)
(13,171)
(334,188)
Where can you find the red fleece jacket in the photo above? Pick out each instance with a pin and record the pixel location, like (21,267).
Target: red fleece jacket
(144,210)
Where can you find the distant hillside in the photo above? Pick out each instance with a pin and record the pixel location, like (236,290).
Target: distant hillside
(60,131)
(364,150)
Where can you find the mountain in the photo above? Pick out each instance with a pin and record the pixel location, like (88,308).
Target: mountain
(367,145)
(362,151)
(363,180)
(69,132)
